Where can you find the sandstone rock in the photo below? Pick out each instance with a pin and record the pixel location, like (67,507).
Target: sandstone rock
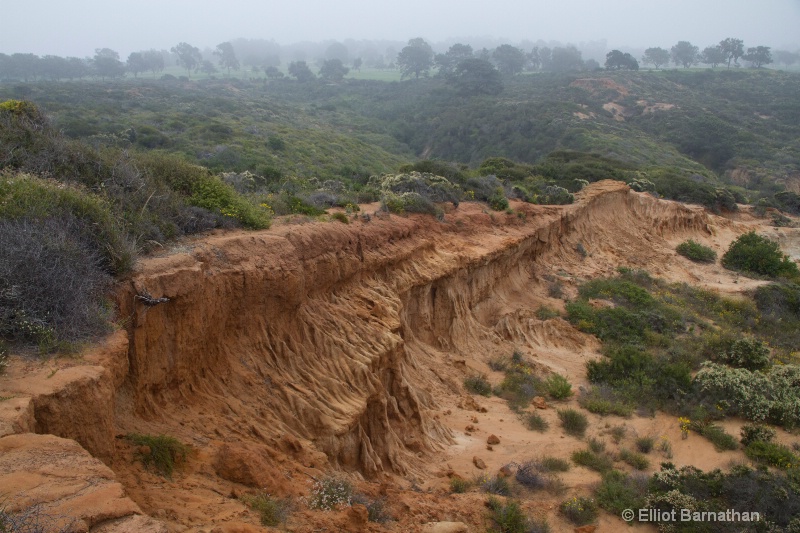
(591,528)
(445,527)
(237,527)
(357,517)
(493,439)
(539,402)
(74,403)
(16,416)
(135,524)
(65,481)
(505,471)
(478,462)
(242,463)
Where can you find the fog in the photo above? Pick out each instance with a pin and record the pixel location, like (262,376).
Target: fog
(78,27)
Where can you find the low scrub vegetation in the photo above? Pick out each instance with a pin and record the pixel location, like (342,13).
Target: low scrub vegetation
(696,252)
(682,331)
(494,485)
(774,495)
(604,400)
(541,475)
(557,387)
(377,509)
(521,384)
(599,461)
(634,459)
(459,485)
(619,491)
(272,511)
(330,492)
(573,422)
(478,385)
(772,454)
(162,452)
(756,255)
(645,444)
(535,422)
(76,217)
(579,510)
(508,517)
(719,437)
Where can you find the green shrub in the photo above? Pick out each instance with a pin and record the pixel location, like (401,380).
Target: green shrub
(215,195)
(330,492)
(773,454)
(596,445)
(498,201)
(554,464)
(459,485)
(534,475)
(498,364)
(754,254)
(558,387)
(478,385)
(508,516)
(634,459)
(495,485)
(579,510)
(341,217)
(520,384)
(376,508)
(408,202)
(665,447)
(535,422)
(426,188)
(272,511)
(26,198)
(645,444)
(718,436)
(756,432)
(696,252)
(598,462)
(554,195)
(546,313)
(573,422)
(603,400)
(161,451)
(618,433)
(771,395)
(619,491)
(748,353)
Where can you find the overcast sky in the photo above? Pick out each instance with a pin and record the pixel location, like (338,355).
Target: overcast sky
(78,27)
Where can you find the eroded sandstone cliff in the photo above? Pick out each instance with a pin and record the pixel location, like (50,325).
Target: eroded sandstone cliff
(321,345)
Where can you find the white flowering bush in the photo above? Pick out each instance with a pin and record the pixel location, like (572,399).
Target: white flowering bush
(330,492)
(429,186)
(748,353)
(773,395)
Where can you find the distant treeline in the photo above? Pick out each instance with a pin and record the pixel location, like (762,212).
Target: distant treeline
(336,59)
